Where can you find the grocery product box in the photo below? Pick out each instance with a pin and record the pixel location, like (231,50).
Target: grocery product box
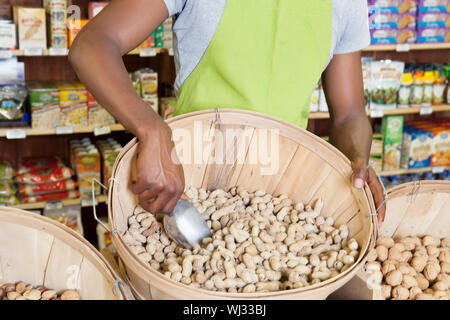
(407,20)
(383,20)
(149,84)
(376,162)
(441,147)
(74,27)
(407,36)
(433,5)
(383,6)
(109,150)
(433,20)
(94,8)
(377,145)
(56,23)
(86,162)
(31,27)
(97,115)
(407,6)
(392,131)
(7,34)
(44,102)
(433,35)
(167,107)
(73,103)
(383,36)
(153,103)
(416,149)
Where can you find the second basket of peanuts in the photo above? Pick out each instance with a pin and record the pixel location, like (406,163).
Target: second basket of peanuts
(289,227)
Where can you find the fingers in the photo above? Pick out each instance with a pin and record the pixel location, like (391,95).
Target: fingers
(359,174)
(378,195)
(165,201)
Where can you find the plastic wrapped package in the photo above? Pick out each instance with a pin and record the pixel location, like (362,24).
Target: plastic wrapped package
(52,196)
(69,216)
(44,188)
(10,200)
(45,175)
(6,170)
(6,188)
(386,76)
(29,164)
(12,102)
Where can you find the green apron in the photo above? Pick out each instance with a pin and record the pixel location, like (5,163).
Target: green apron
(265,56)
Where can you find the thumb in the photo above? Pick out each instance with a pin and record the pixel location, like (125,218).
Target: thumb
(359,174)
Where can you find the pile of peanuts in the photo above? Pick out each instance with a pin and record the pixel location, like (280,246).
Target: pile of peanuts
(259,243)
(22,291)
(411,268)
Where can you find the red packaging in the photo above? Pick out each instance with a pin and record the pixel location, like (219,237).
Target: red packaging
(44,188)
(38,163)
(52,196)
(45,175)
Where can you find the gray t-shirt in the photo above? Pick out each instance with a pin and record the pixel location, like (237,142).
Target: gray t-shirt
(196,22)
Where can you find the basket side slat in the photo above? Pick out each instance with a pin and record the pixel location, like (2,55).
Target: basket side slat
(63,267)
(92,283)
(22,245)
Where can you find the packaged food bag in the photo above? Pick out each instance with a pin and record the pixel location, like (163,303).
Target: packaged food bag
(69,216)
(52,196)
(45,175)
(386,76)
(6,170)
(28,164)
(44,188)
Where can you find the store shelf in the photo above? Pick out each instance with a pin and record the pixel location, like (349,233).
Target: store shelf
(47,53)
(411,47)
(65,203)
(53,131)
(398,111)
(408,171)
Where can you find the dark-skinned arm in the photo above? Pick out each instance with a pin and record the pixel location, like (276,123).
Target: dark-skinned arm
(351,131)
(96,56)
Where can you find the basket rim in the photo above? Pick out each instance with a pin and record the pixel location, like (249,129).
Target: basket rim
(45,224)
(424,186)
(122,248)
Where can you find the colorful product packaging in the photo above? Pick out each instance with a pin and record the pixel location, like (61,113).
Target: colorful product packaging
(433,6)
(433,20)
(407,20)
(97,115)
(167,106)
(377,145)
(44,102)
(441,147)
(407,36)
(417,148)
(383,36)
(73,103)
(74,27)
(109,150)
(7,34)
(31,27)
(56,23)
(94,8)
(433,35)
(376,162)
(405,6)
(69,216)
(85,158)
(386,76)
(392,131)
(383,6)
(149,83)
(383,20)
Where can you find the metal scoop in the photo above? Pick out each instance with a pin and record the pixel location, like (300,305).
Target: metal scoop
(185,225)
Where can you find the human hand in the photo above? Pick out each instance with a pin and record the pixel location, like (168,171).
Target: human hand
(363,174)
(159,180)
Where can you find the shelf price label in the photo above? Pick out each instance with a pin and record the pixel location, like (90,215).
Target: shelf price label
(33,51)
(376,113)
(88,202)
(426,110)
(53,205)
(403,47)
(64,130)
(6,54)
(102,130)
(438,169)
(58,51)
(16,134)
(147,52)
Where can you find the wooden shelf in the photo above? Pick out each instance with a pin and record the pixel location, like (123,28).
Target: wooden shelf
(398,111)
(66,202)
(52,131)
(408,171)
(47,53)
(411,47)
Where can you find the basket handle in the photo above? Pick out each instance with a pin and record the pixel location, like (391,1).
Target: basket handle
(94,210)
(120,286)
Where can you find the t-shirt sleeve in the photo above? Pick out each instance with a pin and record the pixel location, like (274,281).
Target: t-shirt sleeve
(355,34)
(174,6)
